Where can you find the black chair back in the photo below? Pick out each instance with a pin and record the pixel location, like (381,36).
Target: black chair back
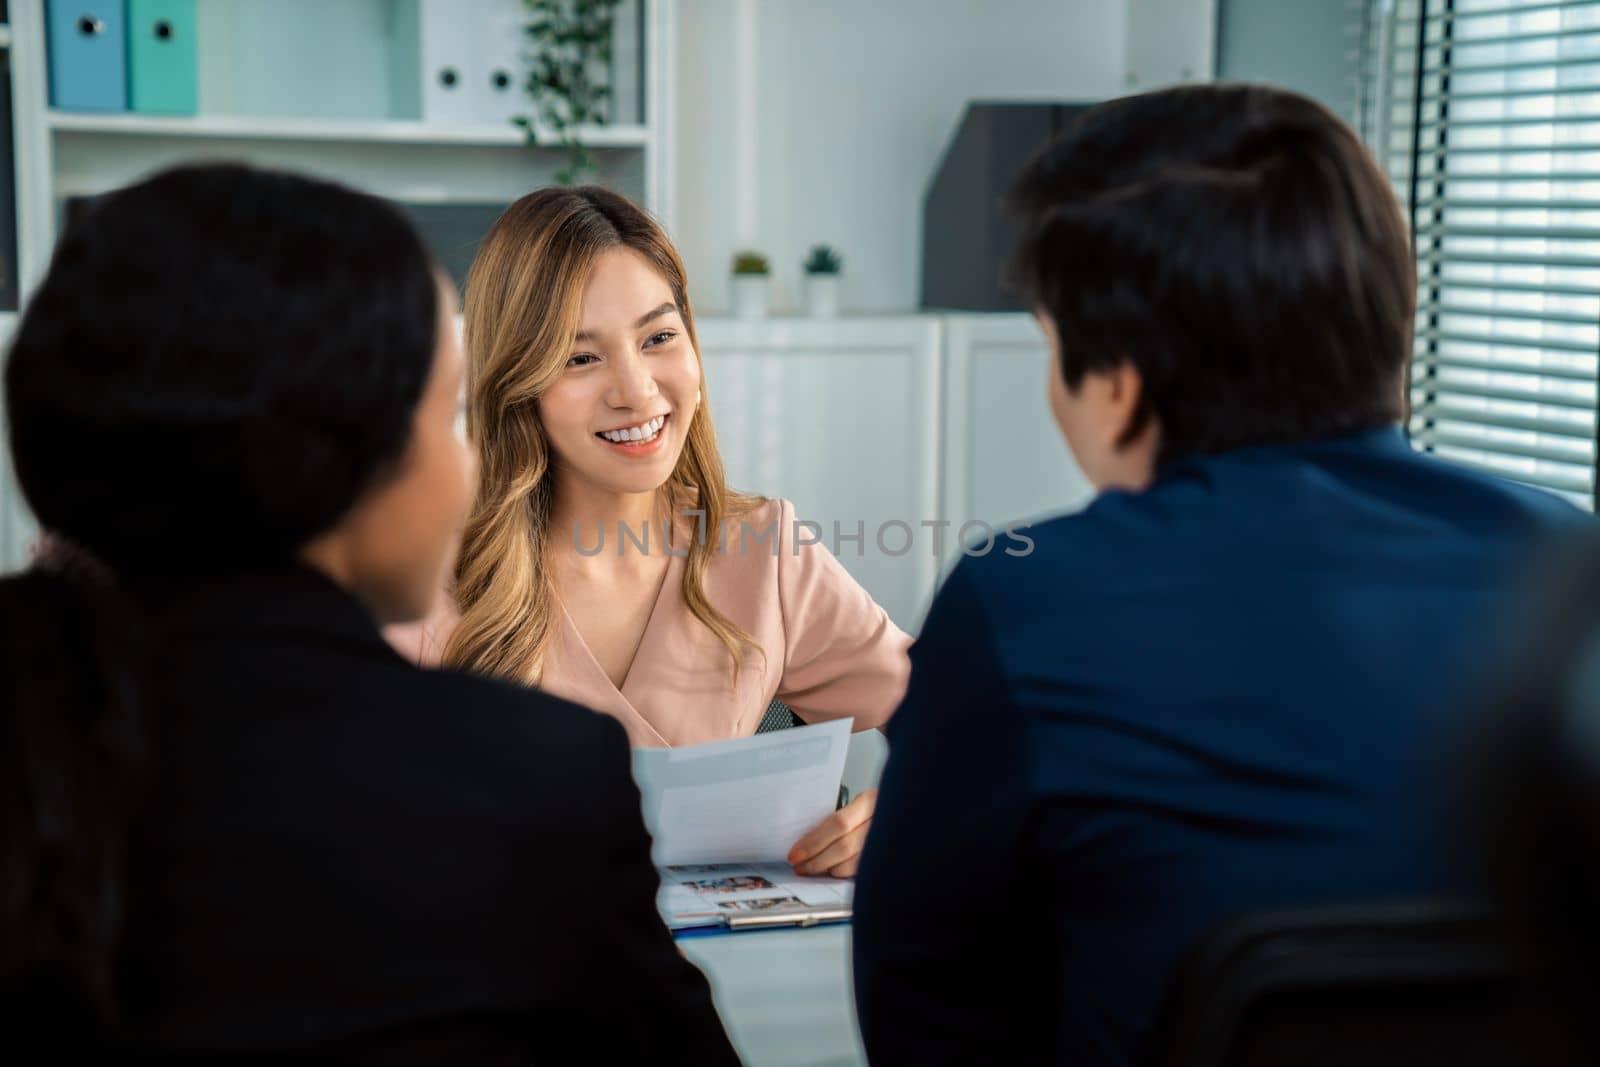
(778,716)
(1414,983)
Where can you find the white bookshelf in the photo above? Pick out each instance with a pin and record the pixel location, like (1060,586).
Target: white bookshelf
(377,131)
(307,85)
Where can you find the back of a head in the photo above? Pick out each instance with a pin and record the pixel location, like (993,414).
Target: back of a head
(217,365)
(212,368)
(1240,247)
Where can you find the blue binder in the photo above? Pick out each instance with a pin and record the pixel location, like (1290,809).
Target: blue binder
(88,43)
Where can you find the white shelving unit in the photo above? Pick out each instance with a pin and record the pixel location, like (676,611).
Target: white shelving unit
(379,131)
(260,55)
(305,85)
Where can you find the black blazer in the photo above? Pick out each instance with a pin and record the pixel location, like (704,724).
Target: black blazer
(352,857)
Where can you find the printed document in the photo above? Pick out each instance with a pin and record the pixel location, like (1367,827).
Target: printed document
(724,816)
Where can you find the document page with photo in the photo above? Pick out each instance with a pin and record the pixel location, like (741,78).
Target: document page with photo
(724,816)
(719,894)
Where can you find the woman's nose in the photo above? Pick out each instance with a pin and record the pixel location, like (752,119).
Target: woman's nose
(632,383)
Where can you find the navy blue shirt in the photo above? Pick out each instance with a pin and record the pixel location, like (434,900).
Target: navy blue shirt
(1228,692)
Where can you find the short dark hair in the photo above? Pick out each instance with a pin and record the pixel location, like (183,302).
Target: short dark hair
(218,361)
(1236,244)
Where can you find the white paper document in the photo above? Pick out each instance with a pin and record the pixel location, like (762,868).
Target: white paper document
(724,816)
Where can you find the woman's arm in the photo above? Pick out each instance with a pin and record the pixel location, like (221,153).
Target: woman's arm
(843,655)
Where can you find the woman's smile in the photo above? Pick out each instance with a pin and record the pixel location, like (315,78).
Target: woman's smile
(636,439)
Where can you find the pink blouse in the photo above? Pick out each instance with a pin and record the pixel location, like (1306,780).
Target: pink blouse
(831,651)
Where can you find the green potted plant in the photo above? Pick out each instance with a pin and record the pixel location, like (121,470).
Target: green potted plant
(568,78)
(749,285)
(822,282)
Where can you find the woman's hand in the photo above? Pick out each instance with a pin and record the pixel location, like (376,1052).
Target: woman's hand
(834,847)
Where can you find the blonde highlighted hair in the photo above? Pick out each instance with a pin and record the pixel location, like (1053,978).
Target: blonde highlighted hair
(523,301)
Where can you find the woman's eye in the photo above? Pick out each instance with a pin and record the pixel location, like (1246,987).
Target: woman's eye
(660,338)
(582,359)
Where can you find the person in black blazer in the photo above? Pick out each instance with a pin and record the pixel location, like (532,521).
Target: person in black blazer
(238,826)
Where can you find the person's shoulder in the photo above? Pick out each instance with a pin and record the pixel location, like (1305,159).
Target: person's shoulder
(524,707)
(1444,496)
(519,729)
(1039,555)
(755,534)
(1502,498)
(755,519)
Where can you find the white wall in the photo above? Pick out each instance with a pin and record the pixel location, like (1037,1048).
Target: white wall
(1305,45)
(805,121)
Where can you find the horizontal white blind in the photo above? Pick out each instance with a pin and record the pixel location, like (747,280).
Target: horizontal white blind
(1486,114)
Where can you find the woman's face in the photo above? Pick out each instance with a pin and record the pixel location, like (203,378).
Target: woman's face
(619,414)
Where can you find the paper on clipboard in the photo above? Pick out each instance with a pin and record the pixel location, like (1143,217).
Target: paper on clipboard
(739,896)
(724,816)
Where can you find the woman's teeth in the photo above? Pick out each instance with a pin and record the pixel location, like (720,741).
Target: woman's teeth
(645,431)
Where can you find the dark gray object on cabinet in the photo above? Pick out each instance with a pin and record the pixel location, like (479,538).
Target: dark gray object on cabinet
(966,237)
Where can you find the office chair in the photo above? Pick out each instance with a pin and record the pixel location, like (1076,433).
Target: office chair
(777,717)
(1412,982)
(1532,792)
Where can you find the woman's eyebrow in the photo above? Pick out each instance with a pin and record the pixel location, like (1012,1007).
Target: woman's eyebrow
(654,313)
(665,309)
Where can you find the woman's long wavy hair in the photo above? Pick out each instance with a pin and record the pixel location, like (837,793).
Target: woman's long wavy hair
(523,302)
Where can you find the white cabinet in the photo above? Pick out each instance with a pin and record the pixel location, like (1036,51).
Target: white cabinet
(1004,458)
(842,418)
(902,429)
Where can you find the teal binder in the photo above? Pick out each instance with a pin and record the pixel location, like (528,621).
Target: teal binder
(162,72)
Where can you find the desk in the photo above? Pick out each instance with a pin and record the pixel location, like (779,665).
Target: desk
(784,995)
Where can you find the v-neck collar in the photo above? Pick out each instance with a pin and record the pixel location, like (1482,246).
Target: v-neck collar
(671,587)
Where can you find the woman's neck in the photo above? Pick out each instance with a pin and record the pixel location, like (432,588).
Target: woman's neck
(581,512)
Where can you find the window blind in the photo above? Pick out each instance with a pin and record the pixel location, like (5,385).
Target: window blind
(1486,115)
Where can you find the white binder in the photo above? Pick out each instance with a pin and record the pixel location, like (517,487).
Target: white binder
(503,71)
(450,39)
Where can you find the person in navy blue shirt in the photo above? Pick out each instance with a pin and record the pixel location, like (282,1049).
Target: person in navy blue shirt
(1223,686)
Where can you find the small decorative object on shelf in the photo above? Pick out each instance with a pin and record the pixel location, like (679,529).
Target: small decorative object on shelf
(749,285)
(822,282)
(569,79)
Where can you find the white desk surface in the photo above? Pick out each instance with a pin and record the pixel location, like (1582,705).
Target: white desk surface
(785,996)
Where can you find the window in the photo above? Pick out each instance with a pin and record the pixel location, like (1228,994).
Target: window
(1486,114)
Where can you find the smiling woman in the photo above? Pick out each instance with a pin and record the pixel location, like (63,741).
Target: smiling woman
(606,559)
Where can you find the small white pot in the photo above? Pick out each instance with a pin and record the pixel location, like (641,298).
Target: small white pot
(749,296)
(822,296)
